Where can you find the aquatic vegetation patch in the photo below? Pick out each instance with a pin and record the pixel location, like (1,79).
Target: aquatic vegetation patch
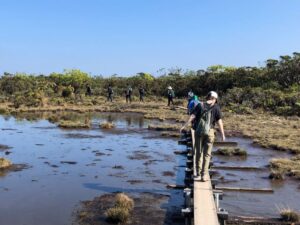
(4,147)
(139,155)
(231,152)
(289,215)
(164,127)
(82,136)
(4,163)
(283,166)
(107,125)
(145,210)
(69,124)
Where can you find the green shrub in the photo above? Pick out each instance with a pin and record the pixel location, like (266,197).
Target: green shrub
(67,92)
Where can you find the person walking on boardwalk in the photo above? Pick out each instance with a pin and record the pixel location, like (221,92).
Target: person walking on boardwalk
(204,117)
(110,93)
(171,95)
(142,93)
(128,93)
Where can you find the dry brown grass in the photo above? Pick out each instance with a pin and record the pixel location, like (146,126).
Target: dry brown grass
(289,215)
(107,125)
(121,211)
(124,201)
(69,124)
(267,130)
(4,163)
(281,167)
(231,152)
(117,215)
(164,127)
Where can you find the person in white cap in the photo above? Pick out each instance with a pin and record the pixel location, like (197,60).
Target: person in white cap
(204,117)
(171,95)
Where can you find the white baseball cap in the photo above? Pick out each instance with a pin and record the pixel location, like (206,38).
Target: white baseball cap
(212,94)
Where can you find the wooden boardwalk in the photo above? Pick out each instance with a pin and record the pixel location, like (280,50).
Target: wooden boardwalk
(205,211)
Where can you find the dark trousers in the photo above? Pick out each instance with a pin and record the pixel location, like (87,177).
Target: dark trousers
(170,99)
(110,97)
(128,98)
(141,97)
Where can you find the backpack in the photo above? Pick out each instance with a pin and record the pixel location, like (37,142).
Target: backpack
(204,123)
(171,93)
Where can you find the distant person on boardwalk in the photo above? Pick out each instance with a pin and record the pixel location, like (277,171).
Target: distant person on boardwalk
(110,93)
(142,94)
(204,117)
(171,95)
(128,93)
(88,90)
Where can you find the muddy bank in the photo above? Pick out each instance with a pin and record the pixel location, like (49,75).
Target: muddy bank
(257,221)
(147,210)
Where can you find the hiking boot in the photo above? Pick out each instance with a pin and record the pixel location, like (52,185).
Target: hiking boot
(197,178)
(204,178)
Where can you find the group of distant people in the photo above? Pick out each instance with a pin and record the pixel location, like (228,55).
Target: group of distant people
(128,94)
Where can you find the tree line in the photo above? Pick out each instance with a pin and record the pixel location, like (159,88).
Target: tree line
(274,86)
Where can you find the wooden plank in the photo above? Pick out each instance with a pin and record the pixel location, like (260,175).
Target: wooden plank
(205,211)
(175,186)
(238,168)
(225,143)
(263,190)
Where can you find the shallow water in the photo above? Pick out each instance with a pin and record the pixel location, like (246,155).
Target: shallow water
(286,193)
(50,191)
(68,166)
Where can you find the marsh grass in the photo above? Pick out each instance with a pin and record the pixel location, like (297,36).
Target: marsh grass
(4,163)
(107,125)
(282,166)
(267,130)
(121,210)
(231,152)
(164,127)
(69,124)
(117,215)
(123,201)
(289,215)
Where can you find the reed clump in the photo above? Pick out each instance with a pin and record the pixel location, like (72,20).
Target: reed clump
(289,215)
(4,163)
(69,124)
(121,210)
(283,166)
(107,125)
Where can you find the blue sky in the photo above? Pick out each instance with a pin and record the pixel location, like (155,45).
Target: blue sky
(130,36)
